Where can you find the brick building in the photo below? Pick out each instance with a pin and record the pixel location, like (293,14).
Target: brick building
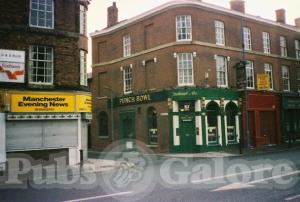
(44,99)
(172,73)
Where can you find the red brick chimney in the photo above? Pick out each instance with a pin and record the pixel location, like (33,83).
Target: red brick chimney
(237,5)
(280,15)
(297,22)
(112,15)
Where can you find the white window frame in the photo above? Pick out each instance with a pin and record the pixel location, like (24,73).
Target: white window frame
(247,38)
(185,71)
(220,32)
(298,79)
(266,42)
(35,8)
(269,71)
(126,45)
(221,70)
(127,79)
(183,27)
(250,72)
(297,49)
(283,46)
(82,20)
(47,64)
(83,68)
(285,73)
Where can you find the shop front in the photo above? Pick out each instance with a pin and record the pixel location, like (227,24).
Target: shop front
(48,121)
(183,120)
(291,117)
(204,119)
(264,118)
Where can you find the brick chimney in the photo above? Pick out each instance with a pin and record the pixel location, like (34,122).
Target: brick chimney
(237,5)
(297,22)
(280,15)
(112,15)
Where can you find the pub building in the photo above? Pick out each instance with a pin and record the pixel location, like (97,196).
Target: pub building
(173,77)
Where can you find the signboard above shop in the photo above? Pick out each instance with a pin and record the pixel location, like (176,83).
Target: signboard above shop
(263,82)
(12,66)
(43,102)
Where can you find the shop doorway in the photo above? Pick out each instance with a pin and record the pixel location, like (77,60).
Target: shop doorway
(267,127)
(187,130)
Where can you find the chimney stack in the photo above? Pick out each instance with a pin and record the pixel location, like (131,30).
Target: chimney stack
(297,22)
(237,5)
(112,15)
(280,15)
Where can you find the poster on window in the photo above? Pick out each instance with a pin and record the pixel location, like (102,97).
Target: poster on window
(12,66)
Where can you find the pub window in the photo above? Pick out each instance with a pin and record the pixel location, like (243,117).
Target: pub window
(185,69)
(103,124)
(221,63)
(42,13)
(231,113)
(250,75)
(220,33)
(152,126)
(247,38)
(126,45)
(183,28)
(283,46)
(212,121)
(41,65)
(82,20)
(298,79)
(269,72)
(285,78)
(266,42)
(127,79)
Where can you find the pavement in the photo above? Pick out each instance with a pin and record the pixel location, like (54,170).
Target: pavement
(97,164)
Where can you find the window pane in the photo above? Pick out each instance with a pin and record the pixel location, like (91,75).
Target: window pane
(40,65)
(39,17)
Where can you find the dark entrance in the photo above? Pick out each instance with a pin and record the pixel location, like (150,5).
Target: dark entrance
(187,130)
(267,127)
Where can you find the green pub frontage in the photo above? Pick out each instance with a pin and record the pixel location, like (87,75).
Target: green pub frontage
(291,117)
(183,120)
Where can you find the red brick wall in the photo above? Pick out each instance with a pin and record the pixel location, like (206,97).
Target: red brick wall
(160,29)
(16,34)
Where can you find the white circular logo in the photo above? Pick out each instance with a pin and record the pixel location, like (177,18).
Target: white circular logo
(134,173)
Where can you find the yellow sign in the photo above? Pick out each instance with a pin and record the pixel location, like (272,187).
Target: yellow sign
(263,82)
(42,103)
(83,103)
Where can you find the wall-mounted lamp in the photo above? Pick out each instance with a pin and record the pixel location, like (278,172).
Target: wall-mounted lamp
(170,103)
(228,58)
(144,63)
(121,68)
(222,102)
(131,66)
(215,56)
(240,102)
(175,55)
(206,75)
(194,54)
(155,60)
(202,101)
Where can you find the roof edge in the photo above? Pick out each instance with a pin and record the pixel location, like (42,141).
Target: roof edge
(196,3)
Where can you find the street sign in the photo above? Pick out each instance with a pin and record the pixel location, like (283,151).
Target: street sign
(263,82)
